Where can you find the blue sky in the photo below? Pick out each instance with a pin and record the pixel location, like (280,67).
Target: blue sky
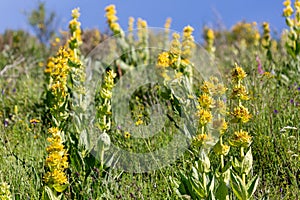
(183,12)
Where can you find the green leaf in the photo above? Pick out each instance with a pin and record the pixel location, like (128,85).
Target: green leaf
(211,188)
(236,164)
(238,187)
(247,162)
(204,162)
(252,185)
(60,188)
(226,173)
(185,186)
(48,194)
(222,191)
(198,189)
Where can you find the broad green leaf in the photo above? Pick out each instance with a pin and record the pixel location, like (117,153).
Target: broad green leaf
(252,185)
(204,162)
(222,191)
(198,189)
(247,162)
(48,194)
(238,187)
(236,164)
(60,188)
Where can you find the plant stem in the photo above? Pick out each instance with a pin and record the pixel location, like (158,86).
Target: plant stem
(222,156)
(242,157)
(204,182)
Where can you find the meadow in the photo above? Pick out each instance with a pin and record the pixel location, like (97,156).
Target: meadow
(149,113)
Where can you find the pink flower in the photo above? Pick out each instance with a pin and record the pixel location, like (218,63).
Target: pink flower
(259,67)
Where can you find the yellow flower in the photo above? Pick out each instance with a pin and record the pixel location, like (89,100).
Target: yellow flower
(221,125)
(238,73)
(241,139)
(139,122)
(75,13)
(188,30)
(205,101)
(41,64)
(210,34)
(207,87)
(168,23)
(53,130)
(178,75)
(34,121)
(268,75)
(187,41)
(220,89)
(241,114)
(127,135)
(199,139)
(130,24)
(55,177)
(55,146)
(4,191)
(221,149)
(163,59)
(175,48)
(287,3)
(239,92)
(220,106)
(57,160)
(288,11)
(205,116)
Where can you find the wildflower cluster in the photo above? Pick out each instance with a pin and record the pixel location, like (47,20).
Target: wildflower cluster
(178,55)
(130,29)
(217,90)
(266,38)
(292,17)
(66,76)
(104,107)
(246,33)
(4,191)
(209,37)
(112,19)
(57,160)
(143,37)
(211,104)
(240,115)
(187,42)
(167,31)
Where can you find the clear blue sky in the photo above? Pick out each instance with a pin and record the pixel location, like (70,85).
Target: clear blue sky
(183,12)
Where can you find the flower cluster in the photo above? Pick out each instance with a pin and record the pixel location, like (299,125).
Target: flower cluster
(187,42)
(58,71)
(104,108)
(178,55)
(112,19)
(209,37)
(212,108)
(4,191)
(66,77)
(74,27)
(266,38)
(57,160)
(246,33)
(240,113)
(292,18)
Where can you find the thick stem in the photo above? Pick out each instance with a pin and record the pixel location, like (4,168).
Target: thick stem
(204,181)
(242,157)
(222,156)
(242,152)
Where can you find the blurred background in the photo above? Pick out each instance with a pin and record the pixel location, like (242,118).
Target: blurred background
(211,13)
